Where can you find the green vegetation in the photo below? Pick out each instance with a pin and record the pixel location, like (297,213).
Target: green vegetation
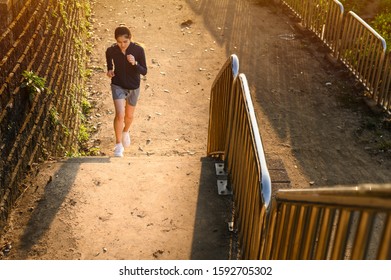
(80,31)
(382,24)
(83,135)
(381,21)
(54,116)
(64,14)
(33,83)
(83,47)
(85,106)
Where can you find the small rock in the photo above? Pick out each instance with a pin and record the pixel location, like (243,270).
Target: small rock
(158,253)
(187,23)
(5,250)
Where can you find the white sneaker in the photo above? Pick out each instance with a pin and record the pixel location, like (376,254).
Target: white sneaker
(118,150)
(125,139)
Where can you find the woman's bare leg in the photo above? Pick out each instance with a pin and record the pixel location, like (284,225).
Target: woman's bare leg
(129,113)
(119,119)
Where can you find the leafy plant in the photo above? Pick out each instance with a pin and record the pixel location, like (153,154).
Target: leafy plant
(54,116)
(83,135)
(33,83)
(381,21)
(382,24)
(85,106)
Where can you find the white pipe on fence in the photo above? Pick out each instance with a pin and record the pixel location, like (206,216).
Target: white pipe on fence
(266,189)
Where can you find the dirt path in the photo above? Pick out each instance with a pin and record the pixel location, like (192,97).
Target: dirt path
(160,202)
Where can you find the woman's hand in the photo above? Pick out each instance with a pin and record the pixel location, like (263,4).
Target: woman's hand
(131,59)
(110,73)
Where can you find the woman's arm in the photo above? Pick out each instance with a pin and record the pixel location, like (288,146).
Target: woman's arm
(141,63)
(109,63)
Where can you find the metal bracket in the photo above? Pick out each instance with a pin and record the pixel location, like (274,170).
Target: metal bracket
(220,169)
(222,181)
(231,226)
(222,187)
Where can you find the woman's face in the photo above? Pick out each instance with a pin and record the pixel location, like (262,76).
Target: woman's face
(123,42)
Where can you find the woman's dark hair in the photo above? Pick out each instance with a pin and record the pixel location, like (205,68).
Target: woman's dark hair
(122,31)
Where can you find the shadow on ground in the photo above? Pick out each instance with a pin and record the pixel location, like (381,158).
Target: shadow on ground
(316,109)
(212,238)
(78,207)
(48,204)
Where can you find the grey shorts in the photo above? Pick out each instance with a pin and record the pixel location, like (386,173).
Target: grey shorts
(131,95)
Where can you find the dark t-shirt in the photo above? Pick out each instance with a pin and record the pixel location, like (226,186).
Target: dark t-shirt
(126,75)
